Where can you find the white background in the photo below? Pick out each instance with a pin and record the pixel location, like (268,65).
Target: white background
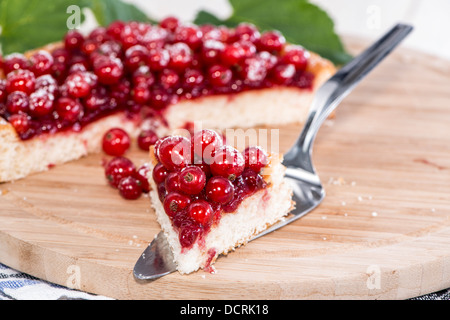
(368,18)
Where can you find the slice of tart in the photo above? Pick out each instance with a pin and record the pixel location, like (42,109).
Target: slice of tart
(210,198)
(56,102)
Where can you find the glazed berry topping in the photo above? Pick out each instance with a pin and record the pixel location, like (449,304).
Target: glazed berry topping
(141,69)
(195,195)
(116,142)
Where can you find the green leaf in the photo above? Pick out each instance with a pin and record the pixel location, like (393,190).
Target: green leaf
(204,17)
(300,22)
(107,11)
(29,24)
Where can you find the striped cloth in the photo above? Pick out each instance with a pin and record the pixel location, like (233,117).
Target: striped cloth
(15,285)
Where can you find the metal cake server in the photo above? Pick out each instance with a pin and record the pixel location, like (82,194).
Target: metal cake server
(157,260)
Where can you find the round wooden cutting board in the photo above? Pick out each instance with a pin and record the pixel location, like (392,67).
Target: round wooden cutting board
(382,232)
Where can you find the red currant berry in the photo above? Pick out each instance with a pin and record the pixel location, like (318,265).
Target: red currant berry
(192,180)
(296,56)
(143,75)
(247,31)
(73,40)
(189,233)
(21,122)
(61,55)
(20,80)
(146,139)
(174,152)
(271,41)
(80,83)
(17,101)
(220,76)
(204,144)
(142,177)
(116,142)
(141,93)
(135,57)
(158,59)
(283,73)
(15,61)
(232,54)
(255,158)
(172,182)
(253,71)
(192,79)
(189,34)
(46,82)
(115,29)
(3,93)
(117,169)
(220,190)
(212,51)
(41,63)
(228,162)
(41,103)
(68,109)
(169,79)
(159,174)
(175,202)
(109,70)
(201,212)
(169,23)
(180,56)
(129,188)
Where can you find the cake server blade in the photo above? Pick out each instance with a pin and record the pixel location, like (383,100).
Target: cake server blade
(157,259)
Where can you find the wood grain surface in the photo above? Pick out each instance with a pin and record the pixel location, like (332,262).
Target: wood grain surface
(382,232)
